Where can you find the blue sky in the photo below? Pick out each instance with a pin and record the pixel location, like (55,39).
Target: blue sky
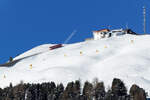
(25,24)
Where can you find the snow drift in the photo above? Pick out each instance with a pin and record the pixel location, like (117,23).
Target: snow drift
(126,57)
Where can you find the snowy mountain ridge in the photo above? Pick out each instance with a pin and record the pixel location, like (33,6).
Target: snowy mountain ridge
(126,57)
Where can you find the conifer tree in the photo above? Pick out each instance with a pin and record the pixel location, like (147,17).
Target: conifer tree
(118,87)
(137,93)
(99,91)
(88,90)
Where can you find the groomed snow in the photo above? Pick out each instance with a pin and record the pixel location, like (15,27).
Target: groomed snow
(126,57)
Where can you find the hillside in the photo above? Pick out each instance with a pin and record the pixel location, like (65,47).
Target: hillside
(126,57)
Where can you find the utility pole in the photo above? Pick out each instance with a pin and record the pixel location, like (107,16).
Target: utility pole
(144,15)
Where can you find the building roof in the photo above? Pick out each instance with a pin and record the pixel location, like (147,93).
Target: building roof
(102,30)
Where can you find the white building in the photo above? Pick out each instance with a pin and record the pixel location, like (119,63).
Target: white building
(105,33)
(117,32)
(100,34)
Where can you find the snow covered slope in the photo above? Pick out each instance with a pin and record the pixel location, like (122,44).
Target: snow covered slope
(126,57)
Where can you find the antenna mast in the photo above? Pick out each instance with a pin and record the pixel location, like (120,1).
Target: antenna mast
(144,15)
(127,26)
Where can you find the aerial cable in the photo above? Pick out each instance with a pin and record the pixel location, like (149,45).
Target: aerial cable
(67,40)
(71,35)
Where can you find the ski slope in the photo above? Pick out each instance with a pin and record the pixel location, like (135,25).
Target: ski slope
(126,57)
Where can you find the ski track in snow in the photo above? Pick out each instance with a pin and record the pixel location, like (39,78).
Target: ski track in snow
(115,57)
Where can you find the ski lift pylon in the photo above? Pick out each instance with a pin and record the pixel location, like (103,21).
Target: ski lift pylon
(66,41)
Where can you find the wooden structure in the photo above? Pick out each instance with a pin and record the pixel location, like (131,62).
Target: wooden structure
(56,46)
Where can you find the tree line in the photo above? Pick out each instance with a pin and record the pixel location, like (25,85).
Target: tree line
(73,91)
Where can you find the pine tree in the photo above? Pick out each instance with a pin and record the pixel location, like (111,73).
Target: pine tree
(137,93)
(118,87)
(99,91)
(59,92)
(88,90)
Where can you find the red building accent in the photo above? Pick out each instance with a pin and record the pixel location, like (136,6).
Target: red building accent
(56,46)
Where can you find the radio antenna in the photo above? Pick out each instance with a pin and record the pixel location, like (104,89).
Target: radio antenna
(127,26)
(144,15)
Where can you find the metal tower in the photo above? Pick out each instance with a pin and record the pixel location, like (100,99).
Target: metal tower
(144,15)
